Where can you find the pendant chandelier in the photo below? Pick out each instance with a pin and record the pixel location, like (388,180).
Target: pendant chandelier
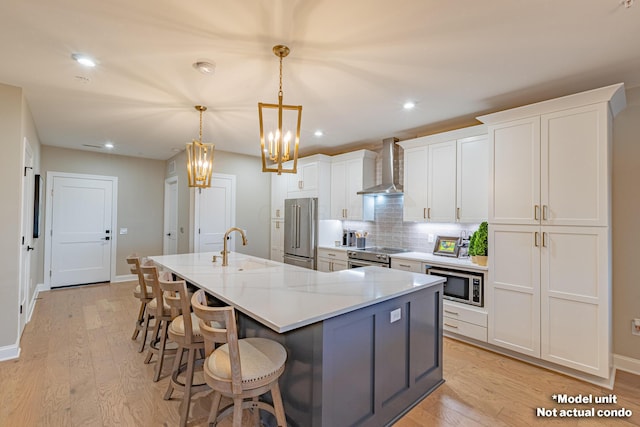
(200,159)
(279,129)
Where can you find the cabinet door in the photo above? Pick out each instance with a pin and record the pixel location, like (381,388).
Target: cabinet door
(353,184)
(277,240)
(575,298)
(278,194)
(324,265)
(338,190)
(514,153)
(472,192)
(514,288)
(575,182)
(415,184)
(441,182)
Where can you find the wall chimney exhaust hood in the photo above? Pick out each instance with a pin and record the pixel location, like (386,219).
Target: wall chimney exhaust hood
(389,185)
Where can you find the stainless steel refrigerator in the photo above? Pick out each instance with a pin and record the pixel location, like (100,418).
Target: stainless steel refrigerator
(301,232)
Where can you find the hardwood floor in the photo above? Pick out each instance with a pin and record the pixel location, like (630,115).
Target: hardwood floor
(79,367)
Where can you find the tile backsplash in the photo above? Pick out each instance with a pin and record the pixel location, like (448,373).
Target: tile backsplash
(389,230)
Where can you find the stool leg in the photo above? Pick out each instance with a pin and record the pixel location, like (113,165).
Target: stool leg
(215,404)
(277,405)
(237,412)
(174,372)
(154,339)
(188,381)
(163,343)
(139,321)
(145,330)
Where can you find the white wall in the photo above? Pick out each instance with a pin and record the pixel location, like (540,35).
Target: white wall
(15,124)
(140,196)
(626,218)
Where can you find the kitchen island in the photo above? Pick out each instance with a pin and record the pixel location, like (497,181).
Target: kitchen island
(364,345)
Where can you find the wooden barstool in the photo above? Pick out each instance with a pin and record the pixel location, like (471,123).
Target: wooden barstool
(163,315)
(145,295)
(239,369)
(185,331)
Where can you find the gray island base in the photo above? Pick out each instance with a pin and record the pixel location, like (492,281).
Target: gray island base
(364,345)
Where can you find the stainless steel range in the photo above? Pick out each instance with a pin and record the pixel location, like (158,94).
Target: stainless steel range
(376,256)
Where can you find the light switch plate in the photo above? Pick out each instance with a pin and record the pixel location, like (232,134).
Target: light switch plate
(635,326)
(395,315)
(124,231)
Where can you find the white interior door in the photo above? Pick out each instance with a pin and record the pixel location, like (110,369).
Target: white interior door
(81,230)
(170,241)
(215,214)
(27,233)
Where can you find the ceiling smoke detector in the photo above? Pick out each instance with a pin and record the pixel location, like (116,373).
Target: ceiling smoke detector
(205,67)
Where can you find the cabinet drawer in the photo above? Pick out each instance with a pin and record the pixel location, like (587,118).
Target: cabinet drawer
(466,314)
(463,328)
(332,254)
(402,264)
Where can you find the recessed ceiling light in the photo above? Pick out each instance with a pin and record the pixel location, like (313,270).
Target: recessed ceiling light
(408,105)
(318,133)
(205,66)
(109,145)
(85,60)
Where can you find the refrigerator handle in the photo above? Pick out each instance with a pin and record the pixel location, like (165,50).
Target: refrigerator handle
(297,226)
(292,231)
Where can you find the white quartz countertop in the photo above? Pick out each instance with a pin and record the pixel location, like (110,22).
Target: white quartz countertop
(285,297)
(463,263)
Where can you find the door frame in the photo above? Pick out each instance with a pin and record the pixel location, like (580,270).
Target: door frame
(194,242)
(173,180)
(25,276)
(48,217)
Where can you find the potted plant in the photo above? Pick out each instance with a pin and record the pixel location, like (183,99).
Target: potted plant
(481,243)
(472,249)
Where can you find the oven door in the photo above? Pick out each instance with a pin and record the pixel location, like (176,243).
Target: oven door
(356,263)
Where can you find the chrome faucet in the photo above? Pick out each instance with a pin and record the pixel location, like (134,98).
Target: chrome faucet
(225,252)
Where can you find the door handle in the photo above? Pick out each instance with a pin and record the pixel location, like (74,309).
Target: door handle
(168,234)
(106,238)
(30,248)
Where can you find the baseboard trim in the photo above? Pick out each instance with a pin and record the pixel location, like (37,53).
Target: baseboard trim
(124,278)
(627,364)
(9,352)
(40,287)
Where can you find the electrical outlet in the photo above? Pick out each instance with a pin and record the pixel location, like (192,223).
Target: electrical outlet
(395,315)
(635,326)
(431,238)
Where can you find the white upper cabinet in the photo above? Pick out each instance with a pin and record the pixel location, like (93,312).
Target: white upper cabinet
(574,179)
(549,161)
(430,182)
(446,177)
(350,173)
(313,179)
(415,183)
(441,182)
(514,152)
(472,191)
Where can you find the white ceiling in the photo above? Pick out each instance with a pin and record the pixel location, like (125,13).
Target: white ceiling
(353,63)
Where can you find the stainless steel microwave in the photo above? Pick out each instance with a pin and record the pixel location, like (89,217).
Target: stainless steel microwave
(461,286)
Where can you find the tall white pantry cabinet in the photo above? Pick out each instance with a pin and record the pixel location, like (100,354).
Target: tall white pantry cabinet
(549,229)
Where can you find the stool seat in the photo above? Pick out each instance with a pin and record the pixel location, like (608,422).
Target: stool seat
(177,327)
(153,306)
(260,359)
(137,292)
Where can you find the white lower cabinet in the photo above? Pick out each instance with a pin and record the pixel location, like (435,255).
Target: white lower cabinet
(549,294)
(332,260)
(277,240)
(464,320)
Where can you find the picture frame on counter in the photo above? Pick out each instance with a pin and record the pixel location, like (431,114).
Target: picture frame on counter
(446,246)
